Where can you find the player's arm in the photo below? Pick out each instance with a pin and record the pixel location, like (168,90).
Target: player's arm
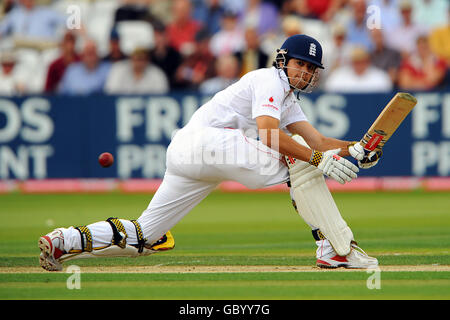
(328,162)
(316,140)
(322,143)
(274,138)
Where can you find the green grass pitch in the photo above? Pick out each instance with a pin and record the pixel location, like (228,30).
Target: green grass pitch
(410,231)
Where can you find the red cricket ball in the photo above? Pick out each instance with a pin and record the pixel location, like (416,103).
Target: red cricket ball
(106,159)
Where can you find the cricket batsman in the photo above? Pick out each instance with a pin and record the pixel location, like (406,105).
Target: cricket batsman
(254,132)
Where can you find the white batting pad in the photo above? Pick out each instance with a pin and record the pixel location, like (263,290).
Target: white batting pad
(111,251)
(316,205)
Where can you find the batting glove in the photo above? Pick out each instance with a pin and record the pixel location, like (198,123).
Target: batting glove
(365,159)
(334,166)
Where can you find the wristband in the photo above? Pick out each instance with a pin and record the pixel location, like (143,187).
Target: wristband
(351,143)
(316,157)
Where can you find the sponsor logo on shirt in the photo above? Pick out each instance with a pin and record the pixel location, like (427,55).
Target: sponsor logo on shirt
(270,106)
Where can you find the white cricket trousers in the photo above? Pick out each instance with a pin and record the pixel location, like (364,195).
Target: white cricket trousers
(198,159)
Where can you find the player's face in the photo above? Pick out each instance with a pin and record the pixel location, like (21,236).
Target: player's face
(300,73)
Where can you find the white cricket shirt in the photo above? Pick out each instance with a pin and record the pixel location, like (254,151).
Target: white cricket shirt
(263,92)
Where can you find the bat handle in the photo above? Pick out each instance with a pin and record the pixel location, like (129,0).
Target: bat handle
(371,142)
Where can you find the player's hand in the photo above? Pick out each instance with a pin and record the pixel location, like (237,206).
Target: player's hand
(365,160)
(371,159)
(356,150)
(334,166)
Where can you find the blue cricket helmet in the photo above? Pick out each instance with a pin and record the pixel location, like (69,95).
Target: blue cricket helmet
(303,47)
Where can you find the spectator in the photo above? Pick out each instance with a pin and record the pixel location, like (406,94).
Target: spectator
(164,56)
(439,41)
(115,52)
(162,10)
(320,9)
(385,58)
(198,66)
(299,8)
(337,54)
(227,69)
(290,26)
(403,38)
(359,76)
(12,79)
(422,70)
(235,5)
(181,32)
(315,28)
(358,34)
(388,14)
(58,67)
(261,15)
(32,24)
(5,7)
(136,76)
(230,39)
(430,13)
(210,13)
(87,76)
(313,9)
(252,57)
(131,10)
(287,7)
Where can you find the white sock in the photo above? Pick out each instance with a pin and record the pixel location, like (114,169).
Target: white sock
(324,248)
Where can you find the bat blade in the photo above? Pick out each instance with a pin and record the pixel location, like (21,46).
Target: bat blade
(388,121)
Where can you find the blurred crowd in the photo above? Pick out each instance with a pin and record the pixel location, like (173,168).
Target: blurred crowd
(156,46)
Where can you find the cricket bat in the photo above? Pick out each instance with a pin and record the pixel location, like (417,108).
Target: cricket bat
(388,121)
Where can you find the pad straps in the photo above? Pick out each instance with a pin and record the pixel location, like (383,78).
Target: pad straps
(119,233)
(318,235)
(140,236)
(86,238)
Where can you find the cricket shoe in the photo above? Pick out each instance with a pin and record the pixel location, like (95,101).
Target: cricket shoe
(167,242)
(356,259)
(51,246)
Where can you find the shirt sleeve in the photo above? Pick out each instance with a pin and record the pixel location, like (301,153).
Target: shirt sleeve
(113,80)
(6,24)
(293,114)
(51,80)
(267,98)
(64,85)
